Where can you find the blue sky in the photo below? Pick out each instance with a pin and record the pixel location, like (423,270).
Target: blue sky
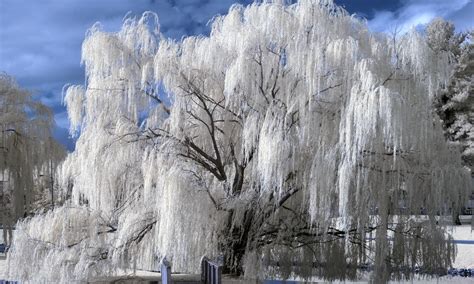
(40,40)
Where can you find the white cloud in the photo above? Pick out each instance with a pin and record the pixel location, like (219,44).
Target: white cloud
(414,13)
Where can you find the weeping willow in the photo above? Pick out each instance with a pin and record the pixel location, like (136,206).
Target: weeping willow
(291,141)
(28,155)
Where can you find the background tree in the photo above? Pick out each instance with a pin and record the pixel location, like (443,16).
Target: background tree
(455,101)
(296,141)
(46,176)
(26,147)
(441,37)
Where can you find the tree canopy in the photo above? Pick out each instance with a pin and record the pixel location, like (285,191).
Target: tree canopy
(291,139)
(454,102)
(27,152)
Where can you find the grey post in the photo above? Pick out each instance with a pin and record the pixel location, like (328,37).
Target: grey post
(211,271)
(165,271)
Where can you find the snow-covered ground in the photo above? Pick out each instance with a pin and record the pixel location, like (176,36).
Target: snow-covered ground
(153,276)
(3,262)
(2,259)
(3,266)
(464,237)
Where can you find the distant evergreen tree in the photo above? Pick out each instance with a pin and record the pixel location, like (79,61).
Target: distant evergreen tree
(455,101)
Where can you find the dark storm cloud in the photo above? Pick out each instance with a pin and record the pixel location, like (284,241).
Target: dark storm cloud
(40,41)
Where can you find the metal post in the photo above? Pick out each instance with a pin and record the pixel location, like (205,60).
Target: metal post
(211,272)
(166,272)
(204,269)
(219,274)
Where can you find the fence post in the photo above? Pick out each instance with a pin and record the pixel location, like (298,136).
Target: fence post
(166,271)
(211,272)
(218,274)
(204,271)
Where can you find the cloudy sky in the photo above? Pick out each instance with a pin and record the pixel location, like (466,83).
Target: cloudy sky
(40,40)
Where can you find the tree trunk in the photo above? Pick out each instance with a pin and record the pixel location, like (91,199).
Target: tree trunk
(234,243)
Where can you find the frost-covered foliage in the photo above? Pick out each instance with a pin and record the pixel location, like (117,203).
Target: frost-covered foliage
(455,102)
(74,104)
(28,154)
(297,141)
(441,37)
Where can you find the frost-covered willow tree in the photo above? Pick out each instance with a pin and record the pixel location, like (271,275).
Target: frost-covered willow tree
(26,150)
(294,141)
